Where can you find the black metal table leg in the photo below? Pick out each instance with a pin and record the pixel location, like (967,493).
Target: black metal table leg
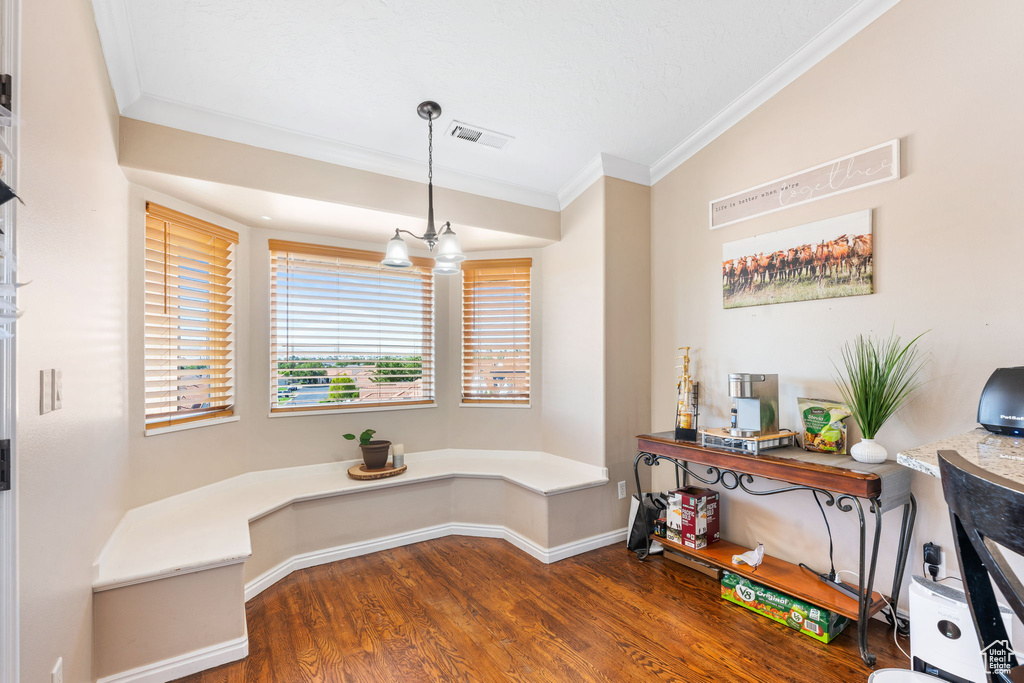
(866,580)
(903,551)
(641,553)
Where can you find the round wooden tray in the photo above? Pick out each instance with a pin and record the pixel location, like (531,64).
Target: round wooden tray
(360,472)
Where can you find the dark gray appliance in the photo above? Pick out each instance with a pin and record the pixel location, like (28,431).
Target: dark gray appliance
(1001,409)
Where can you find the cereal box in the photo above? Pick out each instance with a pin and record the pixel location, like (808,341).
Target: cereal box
(698,516)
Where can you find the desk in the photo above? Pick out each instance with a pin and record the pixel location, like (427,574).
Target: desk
(839,481)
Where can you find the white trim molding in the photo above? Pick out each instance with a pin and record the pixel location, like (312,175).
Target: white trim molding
(112,19)
(342,552)
(602,165)
(10,602)
(245,131)
(118,46)
(186,664)
(825,43)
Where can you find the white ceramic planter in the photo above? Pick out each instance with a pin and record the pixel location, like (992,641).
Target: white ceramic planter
(869,451)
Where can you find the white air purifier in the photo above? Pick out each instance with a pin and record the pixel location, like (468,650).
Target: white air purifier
(943,640)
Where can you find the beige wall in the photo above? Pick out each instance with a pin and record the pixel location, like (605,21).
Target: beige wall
(938,75)
(573,343)
(71,464)
(150,147)
(166,464)
(627,360)
(150,622)
(597,321)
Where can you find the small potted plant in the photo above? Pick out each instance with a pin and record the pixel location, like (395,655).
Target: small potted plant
(877,378)
(375,452)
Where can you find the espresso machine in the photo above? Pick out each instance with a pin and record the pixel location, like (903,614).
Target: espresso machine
(755,404)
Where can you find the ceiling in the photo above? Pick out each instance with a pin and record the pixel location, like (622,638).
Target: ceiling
(273,211)
(622,87)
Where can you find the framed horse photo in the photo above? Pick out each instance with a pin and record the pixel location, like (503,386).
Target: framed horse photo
(821,260)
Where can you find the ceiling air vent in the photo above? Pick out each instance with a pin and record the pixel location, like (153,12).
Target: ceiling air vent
(478,135)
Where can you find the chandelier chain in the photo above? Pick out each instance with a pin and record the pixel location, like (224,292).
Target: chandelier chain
(430,151)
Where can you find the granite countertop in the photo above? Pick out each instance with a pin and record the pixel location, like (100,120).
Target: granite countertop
(1000,455)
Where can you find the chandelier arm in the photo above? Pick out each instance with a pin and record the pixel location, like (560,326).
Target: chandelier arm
(411,234)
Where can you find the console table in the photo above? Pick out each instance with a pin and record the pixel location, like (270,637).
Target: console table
(839,481)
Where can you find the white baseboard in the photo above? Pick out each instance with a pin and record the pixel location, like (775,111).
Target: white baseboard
(561,552)
(341,552)
(184,665)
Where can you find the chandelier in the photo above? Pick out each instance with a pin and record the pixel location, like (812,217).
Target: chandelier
(449,253)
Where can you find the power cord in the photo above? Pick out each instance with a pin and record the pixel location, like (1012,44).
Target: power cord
(898,624)
(934,571)
(831,549)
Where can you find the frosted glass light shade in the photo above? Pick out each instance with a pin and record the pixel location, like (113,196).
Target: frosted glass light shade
(397,254)
(446,268)
(448,249)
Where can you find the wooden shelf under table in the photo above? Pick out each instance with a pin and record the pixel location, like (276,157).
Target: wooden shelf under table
(778,574)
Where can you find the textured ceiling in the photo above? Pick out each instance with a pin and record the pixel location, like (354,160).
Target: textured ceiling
(569,79)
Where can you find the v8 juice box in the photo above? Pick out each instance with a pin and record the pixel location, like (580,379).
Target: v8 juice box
(820,624)
(699,521)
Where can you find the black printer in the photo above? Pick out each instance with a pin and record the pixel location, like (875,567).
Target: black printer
(1001,409)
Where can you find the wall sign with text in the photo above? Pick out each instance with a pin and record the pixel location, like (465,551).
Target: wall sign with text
(868,167)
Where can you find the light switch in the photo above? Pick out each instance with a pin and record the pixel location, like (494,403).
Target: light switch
(58,390)
(45,391)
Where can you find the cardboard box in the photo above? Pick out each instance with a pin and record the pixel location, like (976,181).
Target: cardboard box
(694,564)
(816,622)
(693,513)
(674,518)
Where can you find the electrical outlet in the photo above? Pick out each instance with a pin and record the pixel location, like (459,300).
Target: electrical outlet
(934,556)
(622,489)
(57,675)
(942,566)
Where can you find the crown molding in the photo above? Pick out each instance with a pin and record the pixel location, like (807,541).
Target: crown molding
(118,46)
(119,51)
(245,131)
(603,165)
(580,182)
(827,41)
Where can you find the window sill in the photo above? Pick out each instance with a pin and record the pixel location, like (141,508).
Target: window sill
(191,425)
(342,411)
(495,405)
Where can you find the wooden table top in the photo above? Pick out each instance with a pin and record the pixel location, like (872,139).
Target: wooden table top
(840,474)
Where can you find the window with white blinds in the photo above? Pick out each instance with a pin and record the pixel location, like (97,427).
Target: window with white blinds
(347,332)
(496,331)
(189,349)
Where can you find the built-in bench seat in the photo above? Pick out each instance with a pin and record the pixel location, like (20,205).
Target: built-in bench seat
(172,580)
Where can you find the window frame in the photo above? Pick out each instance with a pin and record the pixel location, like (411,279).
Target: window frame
(215,414)
(364,258)
(484,265)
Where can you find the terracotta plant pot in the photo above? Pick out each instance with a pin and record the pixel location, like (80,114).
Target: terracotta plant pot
(375,454)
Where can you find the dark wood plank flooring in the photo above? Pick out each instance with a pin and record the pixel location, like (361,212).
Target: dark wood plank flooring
(475,609)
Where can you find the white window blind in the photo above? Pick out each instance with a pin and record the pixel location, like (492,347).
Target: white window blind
(496,331)
(347,332)
(189,350)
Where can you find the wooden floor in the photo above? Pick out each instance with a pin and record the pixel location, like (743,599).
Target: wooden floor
(474,609)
